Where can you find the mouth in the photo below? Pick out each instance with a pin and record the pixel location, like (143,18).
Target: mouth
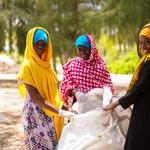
(84,57)
(146,51)
(40,52)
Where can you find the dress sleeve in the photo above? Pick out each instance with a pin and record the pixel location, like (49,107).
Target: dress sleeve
(105,77)
(139,89)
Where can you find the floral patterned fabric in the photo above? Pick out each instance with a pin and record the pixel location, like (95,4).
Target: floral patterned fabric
(39,128)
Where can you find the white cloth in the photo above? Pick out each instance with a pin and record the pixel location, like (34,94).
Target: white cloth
(81,97)
(107,96)
(94,130)
(94,99)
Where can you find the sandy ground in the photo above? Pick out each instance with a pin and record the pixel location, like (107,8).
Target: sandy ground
(11,130)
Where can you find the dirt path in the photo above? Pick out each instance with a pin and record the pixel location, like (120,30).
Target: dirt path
(11,130)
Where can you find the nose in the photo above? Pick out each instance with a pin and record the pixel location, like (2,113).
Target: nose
(40,46)
(82,51)
(143,45)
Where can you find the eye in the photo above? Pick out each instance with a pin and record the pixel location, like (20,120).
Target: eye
(147,42)
(79,49)
(43,45)
(140,43)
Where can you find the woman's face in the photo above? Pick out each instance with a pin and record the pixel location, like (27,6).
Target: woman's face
(83,52)
(144,44)
(40,47)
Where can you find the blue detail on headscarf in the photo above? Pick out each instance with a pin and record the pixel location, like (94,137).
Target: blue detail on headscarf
(40,35)
(83,41)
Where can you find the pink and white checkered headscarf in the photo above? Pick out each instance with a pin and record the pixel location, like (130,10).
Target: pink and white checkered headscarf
(84,75)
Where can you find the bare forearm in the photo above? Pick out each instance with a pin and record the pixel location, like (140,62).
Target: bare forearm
(111,106)
(39,100)
(50,107)
(45,104)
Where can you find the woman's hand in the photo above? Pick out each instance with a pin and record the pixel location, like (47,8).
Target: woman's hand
(65,107)
(73,92)
(111,107)
(72,110)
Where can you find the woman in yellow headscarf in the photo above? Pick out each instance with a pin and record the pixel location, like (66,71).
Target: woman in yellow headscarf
(138,94)
(43,109)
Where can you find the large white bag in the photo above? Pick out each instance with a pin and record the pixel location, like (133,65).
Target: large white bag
(98,98)
(94,100)
(94,130)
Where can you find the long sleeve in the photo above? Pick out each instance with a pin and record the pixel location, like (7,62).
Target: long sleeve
(142,87)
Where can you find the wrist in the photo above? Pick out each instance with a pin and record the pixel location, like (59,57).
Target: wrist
(65,107)
(73,92)
(116,104)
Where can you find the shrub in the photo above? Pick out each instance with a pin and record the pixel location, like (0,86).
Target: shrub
(125,65)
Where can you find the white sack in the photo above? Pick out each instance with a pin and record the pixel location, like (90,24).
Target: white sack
(95,100)
(93,130)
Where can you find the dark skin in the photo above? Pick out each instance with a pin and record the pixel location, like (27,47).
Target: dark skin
(40,47)
(84,53)
(144,44)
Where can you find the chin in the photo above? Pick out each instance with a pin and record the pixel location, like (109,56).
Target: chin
(146,52)
(85,58)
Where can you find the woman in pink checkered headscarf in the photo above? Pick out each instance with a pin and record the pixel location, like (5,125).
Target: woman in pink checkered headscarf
(84,73)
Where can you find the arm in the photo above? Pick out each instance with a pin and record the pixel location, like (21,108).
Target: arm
(112,106)
(38,99)
(65,107)
(136,93)
(139,89)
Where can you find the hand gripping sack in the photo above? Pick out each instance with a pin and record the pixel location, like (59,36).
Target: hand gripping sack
(94,100)
(93,128)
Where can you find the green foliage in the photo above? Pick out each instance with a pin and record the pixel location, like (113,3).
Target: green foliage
(120,20)
(125,65)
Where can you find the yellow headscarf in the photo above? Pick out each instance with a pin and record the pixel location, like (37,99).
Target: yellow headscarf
(143,58)
(39,73)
